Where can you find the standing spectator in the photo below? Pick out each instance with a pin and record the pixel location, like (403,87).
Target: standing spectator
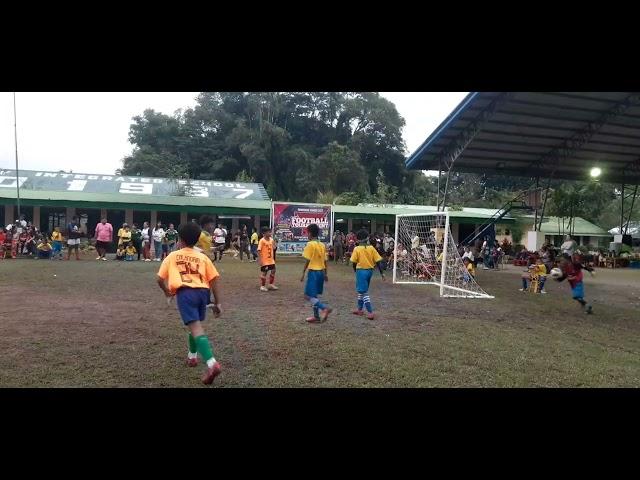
(254,243)
(146,241)
(104,237)
(338,246)
(3,238)
(569,246)
(486,253)
(220,239)
(73,237)
(56,239)
(386,240)
(136,239)
(244,242)
(171,237)
(124,235)
(158,235)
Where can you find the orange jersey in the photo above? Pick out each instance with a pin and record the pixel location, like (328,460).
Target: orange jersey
(187,268)
(266,250)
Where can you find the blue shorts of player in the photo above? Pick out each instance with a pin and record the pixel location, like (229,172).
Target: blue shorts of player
(578,290)
(363,279)
(315,283)
(192,304)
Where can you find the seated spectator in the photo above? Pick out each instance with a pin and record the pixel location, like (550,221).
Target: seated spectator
(467,253)
(44,248)
(121,252)
(537,271)
(471,271)
(130,251)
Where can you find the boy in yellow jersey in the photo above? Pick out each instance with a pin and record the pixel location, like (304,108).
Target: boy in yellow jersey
(315,255)
(470,270)
(207,224)
(56,239)
(267,260)
(364,259)
(188,275)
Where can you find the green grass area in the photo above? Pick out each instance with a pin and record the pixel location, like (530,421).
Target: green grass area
(106,324)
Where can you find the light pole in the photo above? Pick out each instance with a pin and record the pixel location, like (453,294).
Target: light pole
(15,130)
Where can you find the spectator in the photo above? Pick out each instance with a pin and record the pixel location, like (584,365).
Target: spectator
(3,238)
(73,237)
(146,241)
(386,240)
(244,242)
(220,239)
(130,252)
(158,235)
(104,237)
(56,239)
(44,249)
(338,246)
(569,246)
(468,254)
(136,239)
(121,252)
(124,235)
(171,239)
(254,243)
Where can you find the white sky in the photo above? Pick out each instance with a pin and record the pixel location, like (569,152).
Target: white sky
(88,132)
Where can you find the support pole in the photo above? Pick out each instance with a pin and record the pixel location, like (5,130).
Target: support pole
(15,133)
(535,221)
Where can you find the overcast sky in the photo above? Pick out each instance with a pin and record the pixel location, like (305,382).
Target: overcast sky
(88,132)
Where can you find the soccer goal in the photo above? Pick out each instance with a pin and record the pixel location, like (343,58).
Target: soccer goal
(425,253)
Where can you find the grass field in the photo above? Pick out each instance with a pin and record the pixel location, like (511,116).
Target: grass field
(105,324)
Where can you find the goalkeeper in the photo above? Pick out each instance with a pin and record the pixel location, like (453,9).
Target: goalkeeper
(364,258)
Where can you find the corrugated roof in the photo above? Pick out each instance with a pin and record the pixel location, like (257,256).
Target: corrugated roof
(545,133)
(156,201)
(581,226)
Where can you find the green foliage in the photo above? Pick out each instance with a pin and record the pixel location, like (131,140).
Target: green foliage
(517,231)
(244,177)
(348,198)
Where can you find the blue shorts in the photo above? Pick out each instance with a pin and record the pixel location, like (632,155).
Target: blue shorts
(578,290)
(192,304)
(315,283)
(363,278)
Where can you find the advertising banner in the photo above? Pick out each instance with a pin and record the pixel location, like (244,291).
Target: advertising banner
(290,221)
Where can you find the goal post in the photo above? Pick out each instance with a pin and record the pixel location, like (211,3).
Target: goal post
(425,253)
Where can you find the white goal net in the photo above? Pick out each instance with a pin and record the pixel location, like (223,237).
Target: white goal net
(425,253)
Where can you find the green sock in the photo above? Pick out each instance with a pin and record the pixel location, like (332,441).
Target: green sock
(192,344)
(204,348)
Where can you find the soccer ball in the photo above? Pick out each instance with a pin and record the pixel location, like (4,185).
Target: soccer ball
(556,272)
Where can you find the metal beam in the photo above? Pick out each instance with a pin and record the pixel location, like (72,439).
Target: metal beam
(449,154)
(573,144)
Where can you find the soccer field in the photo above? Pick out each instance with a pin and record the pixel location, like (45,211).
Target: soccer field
(106,324)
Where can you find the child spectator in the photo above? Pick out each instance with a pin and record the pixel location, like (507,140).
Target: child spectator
(470,270)
(120,252)
(538,271)
(56,243)
(130,252)
(44,249)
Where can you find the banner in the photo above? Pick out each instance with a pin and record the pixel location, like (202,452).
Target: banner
(290,221)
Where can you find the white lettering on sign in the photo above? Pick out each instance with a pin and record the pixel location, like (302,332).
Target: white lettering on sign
(93,177)
(145,180)
(65,175)
(50,175)
(182,182)
(38,174)
(80,177)
(142,188)
(217,184)
(246,192)
(10,182)
(198,191)
(76,185)
(107,178)
(157,180)
(119,179)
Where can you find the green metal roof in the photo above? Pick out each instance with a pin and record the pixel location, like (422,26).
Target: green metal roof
(554,226)
(139,202)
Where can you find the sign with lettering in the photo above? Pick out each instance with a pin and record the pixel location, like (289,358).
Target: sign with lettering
(87,183)
(290,222)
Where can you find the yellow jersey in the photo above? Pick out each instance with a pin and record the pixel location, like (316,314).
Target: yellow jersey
(265,250)
(204,242)
(187,268)
(45,247)
(540,270)
(56,236)
(254,238)
(124,236)
(131,250)
(471,269)
(315,252)
(365,257)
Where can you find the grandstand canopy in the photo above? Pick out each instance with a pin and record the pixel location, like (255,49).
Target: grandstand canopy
(548,134)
